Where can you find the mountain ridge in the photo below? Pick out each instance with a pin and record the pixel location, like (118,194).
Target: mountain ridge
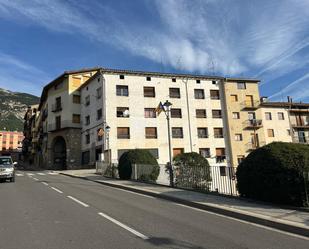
(13,106)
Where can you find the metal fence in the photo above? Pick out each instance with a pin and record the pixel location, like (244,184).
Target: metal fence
(218,179)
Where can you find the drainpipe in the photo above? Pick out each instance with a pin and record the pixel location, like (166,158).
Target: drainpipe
(188,111)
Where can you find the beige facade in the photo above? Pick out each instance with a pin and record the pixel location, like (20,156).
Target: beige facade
(243,118)
(11,140)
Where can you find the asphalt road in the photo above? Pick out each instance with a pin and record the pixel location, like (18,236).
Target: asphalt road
(43,211)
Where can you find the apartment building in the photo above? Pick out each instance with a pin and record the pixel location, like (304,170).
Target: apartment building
(58,125)
(286,121)
(10,140)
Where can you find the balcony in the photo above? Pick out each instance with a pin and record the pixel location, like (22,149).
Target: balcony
(64,124)
(220,159)
(301,139)
(252,124)
(300,125)
(250,105)
(254,145)
(56,107)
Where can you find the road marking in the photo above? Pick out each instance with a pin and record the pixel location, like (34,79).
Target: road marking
(131,192)
(59,191)
(41,174)
(19,174)
(138,234)
(53,173)
(45,183)
(35,179)
(78,201)
(246,222)
(30,174)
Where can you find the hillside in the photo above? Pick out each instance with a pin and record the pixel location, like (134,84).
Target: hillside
(13,106)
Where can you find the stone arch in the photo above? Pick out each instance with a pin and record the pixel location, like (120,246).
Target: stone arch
(59,151)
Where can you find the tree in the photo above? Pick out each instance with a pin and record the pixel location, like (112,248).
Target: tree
(276,173)
(192,171)
(143,158)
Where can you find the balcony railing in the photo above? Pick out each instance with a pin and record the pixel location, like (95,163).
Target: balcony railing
(56,107)
(252,124)
(301,126)
(254,145)
(250,104)
(64,124)
(301,139)
(220,159)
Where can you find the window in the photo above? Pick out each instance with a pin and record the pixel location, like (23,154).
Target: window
(241,85)
(270,133)
(76,118)
(222,170)
(76,99)
(149,92)
(99,114)
(218,132)
(58,104)
(220,155)
(148,78)
(177,132)
(216,114)
(200,113)
(122,90)
(288,131)
(202,132)
(214,82)
(122,112)
(87,138)
(199,94)
(198,81)
(173,79)
(149,113)
(214,94)
(233,97)
(205,152)
(151,132)
(98,136)
(176,113)
(177,151)
(280,115)
(87,120)
(235,115)
(268,116)
(121,76)
(87,100)
(240,158)
(58,122)
(99,92)
(175,93)
(238,137)
(123,132)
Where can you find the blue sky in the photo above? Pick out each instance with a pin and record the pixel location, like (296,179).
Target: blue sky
(263,39)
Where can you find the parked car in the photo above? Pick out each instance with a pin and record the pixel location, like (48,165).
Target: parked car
(7,169)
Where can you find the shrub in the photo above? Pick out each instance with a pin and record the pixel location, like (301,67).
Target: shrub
(142,157)
(192,171)
(275,173)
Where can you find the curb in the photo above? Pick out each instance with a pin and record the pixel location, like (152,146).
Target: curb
(230,213)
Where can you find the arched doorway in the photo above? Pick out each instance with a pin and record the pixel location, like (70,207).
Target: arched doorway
(59,153)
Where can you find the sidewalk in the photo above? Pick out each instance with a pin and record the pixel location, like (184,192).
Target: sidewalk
(290,220)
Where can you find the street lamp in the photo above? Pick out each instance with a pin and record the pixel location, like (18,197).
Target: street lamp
(167,108)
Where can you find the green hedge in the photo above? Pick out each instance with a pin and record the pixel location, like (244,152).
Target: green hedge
(276,173)
(141,157)
(192,171)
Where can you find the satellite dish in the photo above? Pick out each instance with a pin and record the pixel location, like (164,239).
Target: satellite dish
(126,113)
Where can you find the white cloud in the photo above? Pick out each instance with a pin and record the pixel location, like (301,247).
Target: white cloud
(264,38)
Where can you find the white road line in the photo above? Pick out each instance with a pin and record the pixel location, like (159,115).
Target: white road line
(52,173)
(246,222)
(131,192)
(59,191)
(45,183)
(19,174)
(41,174)
(35,179)
(138,234)
(78,201)
(30,174)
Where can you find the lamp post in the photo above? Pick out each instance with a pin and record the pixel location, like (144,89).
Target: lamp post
(167,107)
